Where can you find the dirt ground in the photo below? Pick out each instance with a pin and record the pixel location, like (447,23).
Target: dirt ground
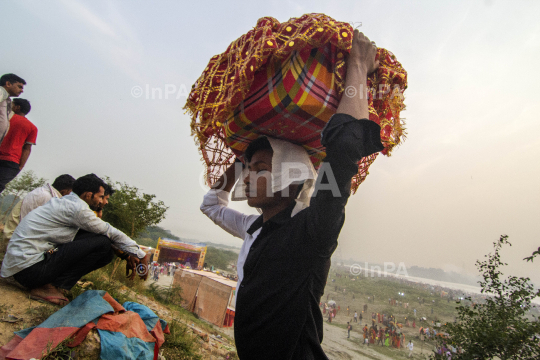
(338,347)
(15,301)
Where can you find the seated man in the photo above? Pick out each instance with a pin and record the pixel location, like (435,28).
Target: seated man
(48,253)
(61,186)
(17,145)
(284,262)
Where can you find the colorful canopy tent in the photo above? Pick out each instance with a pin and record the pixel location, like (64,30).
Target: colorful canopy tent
(168,250)
(208,295)
(285,80)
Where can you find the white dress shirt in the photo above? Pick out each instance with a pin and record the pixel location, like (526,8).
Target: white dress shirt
(215,206)
(32,200)
(55,223)
(38,197)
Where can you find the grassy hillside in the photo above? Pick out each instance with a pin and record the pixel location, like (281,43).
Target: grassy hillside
(219,258)
(384,289)
(150,236)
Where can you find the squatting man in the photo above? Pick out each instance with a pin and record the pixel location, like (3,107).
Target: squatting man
(59,242)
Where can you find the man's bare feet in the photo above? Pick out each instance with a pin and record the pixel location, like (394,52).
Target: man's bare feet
(48,293)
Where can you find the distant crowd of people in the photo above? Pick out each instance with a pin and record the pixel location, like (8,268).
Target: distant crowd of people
(390,336)
(385,330)
(163,269)
(331,309)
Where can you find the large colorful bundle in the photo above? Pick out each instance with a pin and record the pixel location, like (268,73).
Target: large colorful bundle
(285,80)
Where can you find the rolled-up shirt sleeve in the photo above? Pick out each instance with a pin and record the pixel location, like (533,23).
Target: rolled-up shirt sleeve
(215,206)
(87,220)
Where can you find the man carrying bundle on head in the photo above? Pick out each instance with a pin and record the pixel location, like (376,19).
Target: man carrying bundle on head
(285,258)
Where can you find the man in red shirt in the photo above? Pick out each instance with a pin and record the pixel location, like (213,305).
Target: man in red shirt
(16,147)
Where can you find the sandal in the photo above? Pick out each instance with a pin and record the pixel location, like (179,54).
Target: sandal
(48,299)
(11,319)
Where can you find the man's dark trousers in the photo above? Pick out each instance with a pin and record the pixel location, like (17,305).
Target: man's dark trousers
(64,267)
(8,171)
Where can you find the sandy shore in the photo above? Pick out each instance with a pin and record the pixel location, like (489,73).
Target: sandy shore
(337,347)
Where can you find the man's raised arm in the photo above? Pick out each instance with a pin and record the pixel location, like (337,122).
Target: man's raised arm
(227,180)
(360,64)
(216,201)
(348,137)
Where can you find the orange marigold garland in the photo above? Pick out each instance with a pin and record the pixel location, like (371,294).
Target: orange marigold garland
(224,121)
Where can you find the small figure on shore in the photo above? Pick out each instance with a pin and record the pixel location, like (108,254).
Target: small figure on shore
(410,346)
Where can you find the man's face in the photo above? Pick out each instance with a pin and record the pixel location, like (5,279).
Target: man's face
(95,200)
(14,89)
(104,202)
(16,109)
(259,180)
(100,207)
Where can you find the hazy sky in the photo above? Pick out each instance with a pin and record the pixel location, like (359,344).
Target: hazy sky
(468,171)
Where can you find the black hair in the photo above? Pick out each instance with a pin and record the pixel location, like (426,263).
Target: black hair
(261,143)
(12,78)
(24,104)
(63,182)
(90,182)
(109,190)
